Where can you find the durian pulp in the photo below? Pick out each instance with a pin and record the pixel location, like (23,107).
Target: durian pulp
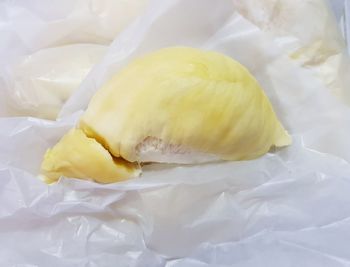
(79,156)
(202,101)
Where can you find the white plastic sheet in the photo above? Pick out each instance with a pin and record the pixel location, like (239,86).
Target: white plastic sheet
(288,208)
(40,83)
(44,42)
(41,24)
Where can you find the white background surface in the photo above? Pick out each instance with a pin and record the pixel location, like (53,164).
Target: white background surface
(341,9)
(288,208)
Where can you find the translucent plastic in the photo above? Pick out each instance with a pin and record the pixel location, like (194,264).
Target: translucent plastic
(40,83)
(49,46)
(288,208)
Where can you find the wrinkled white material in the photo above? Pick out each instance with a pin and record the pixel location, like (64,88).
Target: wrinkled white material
(60,22)
(40,83)
(287,208)
(30,27)
(315,44)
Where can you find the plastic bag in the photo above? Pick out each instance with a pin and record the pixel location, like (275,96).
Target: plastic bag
(41,83)
(61,22)
(40,38)
(316,44)
(287,208)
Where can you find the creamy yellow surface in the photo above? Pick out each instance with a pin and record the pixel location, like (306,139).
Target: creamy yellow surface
(183,96)
(76,155)
(180,97)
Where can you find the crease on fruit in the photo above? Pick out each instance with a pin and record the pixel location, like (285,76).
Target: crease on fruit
(80,156)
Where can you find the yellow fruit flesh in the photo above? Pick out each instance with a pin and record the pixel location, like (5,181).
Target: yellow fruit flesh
(76,155)
(201,100)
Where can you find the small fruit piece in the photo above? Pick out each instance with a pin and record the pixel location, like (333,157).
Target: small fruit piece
(79,156)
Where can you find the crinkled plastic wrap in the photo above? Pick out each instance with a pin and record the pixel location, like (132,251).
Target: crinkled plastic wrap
(49,46)
(288,208)
(40,83)
(40,24)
